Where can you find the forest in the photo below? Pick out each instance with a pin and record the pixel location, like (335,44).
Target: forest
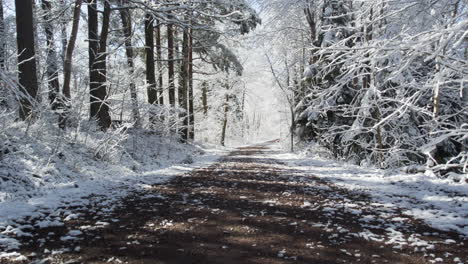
(360,102)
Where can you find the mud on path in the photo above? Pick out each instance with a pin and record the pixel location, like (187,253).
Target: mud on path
(246,208)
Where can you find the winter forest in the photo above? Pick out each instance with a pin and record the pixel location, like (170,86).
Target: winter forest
(233,131)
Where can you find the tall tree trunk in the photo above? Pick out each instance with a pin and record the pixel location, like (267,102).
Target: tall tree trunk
(436,93)
(52,64)
(63,33)
(183,85)
(190,87)
(26,56)
(93,51)
(159,59)
(67,64)
(293,126)
(225,120)
(2,38)
(2,52)
(150,69)
(204,87)
(97,64)
(170,58)
(36,45)
(104,115)
(127,29)
(225,111)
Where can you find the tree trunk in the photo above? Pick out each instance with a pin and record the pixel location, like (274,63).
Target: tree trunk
(97,64)
(2,53)
(436,94)
(205,98)
(26,56)
(63,33)
(170,58)
(127,29)
(183,85)
(243,116)
(293,126)
(67,64)
(190,87)
(93,51)
(37,58)
(150,69)
(159,59)
(52,65)
(2,39)
(225,120)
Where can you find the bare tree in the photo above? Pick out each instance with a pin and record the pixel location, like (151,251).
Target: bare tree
(2,38)
(67,64)
(204,88)
(126,18)
(170,58)
(285,88)
(26,56)
(159,60)
(52,64)
(225,118)
(183,85)
(97,64)
(191,124)
(150,69)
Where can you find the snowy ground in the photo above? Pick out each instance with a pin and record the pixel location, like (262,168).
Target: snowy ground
(47,189)
(441,203)
(397,198)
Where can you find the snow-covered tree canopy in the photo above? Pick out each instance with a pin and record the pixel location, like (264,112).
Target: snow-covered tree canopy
(384,81)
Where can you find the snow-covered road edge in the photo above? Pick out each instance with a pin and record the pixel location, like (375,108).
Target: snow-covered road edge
(441,203)
(110,185)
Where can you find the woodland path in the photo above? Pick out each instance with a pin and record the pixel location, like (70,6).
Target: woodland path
(246,208)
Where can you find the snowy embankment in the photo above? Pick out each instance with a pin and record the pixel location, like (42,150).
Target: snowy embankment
(44,178)
(441,203)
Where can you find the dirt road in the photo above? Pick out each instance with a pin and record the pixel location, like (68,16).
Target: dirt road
(246,208)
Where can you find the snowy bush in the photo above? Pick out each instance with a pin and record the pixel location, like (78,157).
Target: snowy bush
(389,89)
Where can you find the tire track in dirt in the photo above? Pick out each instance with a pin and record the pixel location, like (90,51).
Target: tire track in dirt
(246,208)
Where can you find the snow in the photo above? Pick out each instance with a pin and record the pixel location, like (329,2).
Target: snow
(39,187)
(441,203)
(396,196)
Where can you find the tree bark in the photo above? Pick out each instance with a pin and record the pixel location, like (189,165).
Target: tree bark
(170,58)
(67,64)
(225,120)
(126,18)
(63,26)
(52,64)
(36,45)
(2,39)
(97,64)
(293,126)
(26,56)
(183,85)
(2,53)
(93,51)
(205,98)
(159,59)
(150,69)
(190,87)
